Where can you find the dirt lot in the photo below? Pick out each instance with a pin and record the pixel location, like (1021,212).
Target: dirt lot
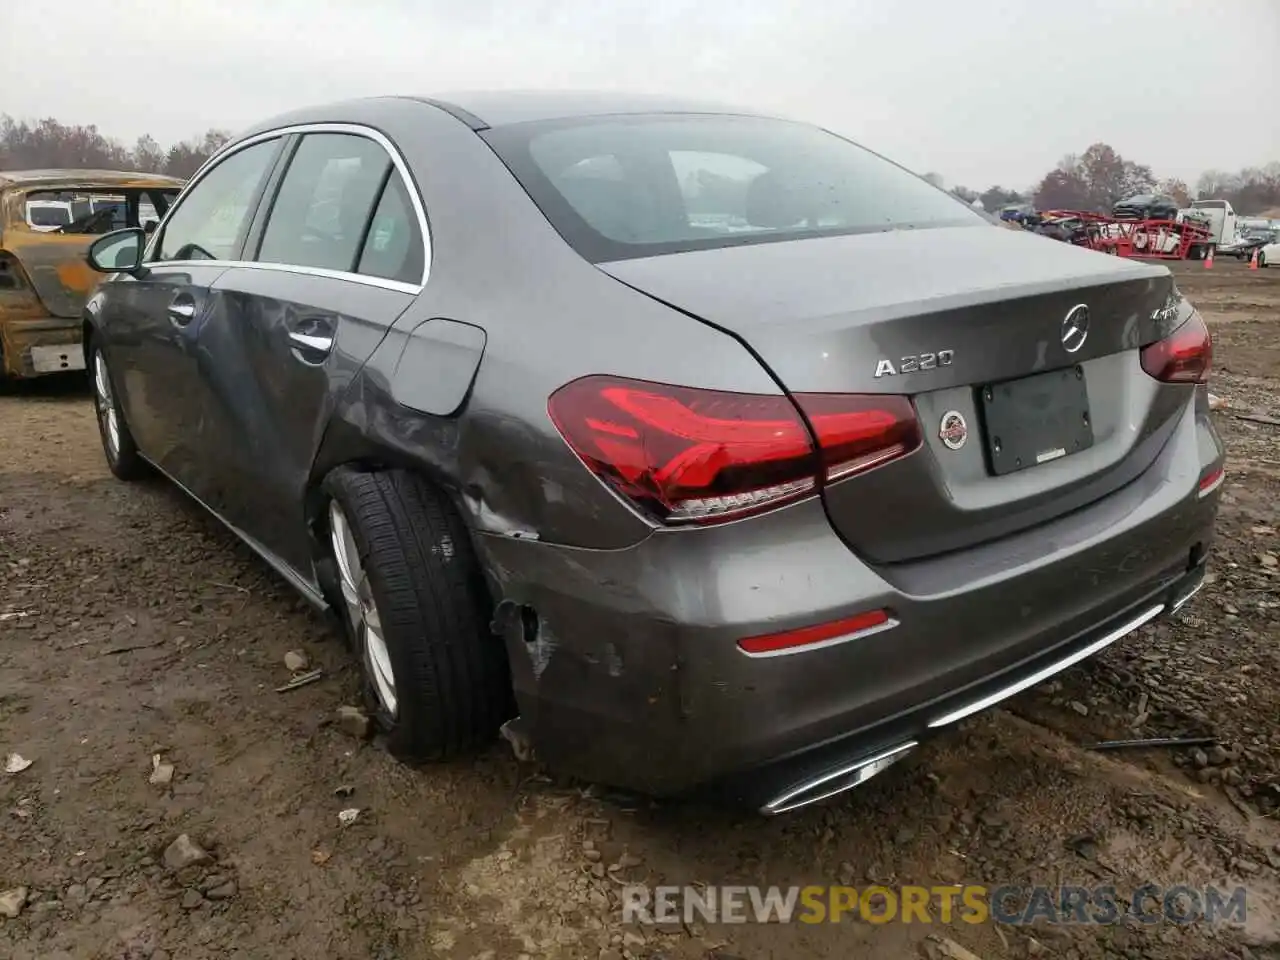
(131,624)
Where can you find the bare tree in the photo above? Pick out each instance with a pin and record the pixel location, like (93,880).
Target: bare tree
(47,143)
(1094,180)
(147,155)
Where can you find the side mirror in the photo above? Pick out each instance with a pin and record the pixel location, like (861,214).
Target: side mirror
(118,251)
(149,226)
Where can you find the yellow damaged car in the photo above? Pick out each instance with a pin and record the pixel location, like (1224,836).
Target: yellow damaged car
(48,218)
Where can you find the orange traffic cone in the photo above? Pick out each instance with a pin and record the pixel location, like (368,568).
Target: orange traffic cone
(1253,261)
(1208,260)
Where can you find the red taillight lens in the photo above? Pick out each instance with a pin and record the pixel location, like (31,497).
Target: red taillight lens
(1182,357)
(858,432)
(686,455)
(1211,480)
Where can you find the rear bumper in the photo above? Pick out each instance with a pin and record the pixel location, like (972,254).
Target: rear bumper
(627,668)
(822,771)
(32,346)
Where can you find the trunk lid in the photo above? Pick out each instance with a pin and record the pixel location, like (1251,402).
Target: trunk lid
(939,315)
(55,265)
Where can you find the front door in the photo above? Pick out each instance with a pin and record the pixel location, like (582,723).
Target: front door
(159,315)
(339,257)
(152,325)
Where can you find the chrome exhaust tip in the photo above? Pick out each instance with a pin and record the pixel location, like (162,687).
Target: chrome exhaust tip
(837,781)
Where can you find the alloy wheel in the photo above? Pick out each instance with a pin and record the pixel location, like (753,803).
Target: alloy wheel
(362,611)
(107,415)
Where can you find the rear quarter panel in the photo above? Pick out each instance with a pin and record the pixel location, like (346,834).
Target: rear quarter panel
(56,266)
(547,317)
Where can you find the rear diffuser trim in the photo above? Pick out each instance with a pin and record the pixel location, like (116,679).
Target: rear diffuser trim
(1044,673)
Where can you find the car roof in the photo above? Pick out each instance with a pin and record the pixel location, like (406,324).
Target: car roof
(481,110)
(496,108)
(82,178)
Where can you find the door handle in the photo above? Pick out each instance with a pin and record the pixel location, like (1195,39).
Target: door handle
(182,310)
(311,342)
(311,338)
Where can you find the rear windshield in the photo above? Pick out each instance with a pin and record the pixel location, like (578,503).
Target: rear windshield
(617,188)
(48,216)
(90,211)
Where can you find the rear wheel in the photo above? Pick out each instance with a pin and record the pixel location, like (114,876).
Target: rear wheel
(117,442)
(417,612)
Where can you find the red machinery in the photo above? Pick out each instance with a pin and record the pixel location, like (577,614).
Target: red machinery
(1153,239)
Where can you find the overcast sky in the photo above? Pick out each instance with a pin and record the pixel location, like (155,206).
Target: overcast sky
(981,91)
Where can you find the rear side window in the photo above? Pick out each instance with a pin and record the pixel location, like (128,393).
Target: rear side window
(324,202)
(393,247)
(209,224)
(645,185)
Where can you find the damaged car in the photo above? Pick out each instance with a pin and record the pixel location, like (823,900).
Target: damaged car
(693,449)
(48,218)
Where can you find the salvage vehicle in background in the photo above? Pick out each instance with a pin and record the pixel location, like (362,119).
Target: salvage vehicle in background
(1252,240)
(48,218)
(484,376)
(1269,252)
(1146,206)
(1219,217)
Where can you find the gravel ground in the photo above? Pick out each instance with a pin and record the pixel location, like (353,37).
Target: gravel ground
(131,625)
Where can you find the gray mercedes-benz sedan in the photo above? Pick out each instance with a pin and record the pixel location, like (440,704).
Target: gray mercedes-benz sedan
(696,450)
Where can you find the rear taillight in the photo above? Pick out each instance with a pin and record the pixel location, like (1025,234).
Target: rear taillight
(1182,357)
(11,276)
(686,455)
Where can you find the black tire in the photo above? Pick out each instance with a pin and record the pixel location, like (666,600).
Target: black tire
(452,681)
(122,456)
(1262,259)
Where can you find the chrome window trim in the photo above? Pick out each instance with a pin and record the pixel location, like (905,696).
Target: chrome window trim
(354,129)
(397,285)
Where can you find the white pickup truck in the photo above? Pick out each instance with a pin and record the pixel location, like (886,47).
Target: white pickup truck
(1219,217)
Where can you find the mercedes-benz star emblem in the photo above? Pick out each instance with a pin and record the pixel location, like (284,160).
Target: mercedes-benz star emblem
(953,431)
(1075,328)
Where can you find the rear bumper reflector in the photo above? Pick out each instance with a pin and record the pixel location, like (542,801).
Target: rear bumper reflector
(1212,480)
(804,639)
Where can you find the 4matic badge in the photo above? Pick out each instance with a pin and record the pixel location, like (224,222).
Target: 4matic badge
(953,431)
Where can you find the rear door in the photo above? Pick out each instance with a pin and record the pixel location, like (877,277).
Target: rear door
(339,252)
(154,319)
